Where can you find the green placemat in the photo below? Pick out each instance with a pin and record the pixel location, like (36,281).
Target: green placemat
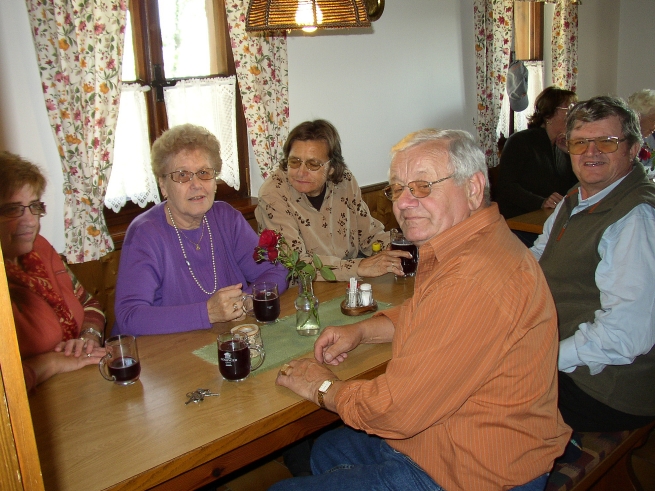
(281,341)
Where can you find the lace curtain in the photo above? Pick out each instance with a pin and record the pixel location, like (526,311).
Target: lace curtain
(262,71)
(493,29)
(131,175)
(209,103)
(79,48)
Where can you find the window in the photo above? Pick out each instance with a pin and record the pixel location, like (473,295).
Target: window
(167,43)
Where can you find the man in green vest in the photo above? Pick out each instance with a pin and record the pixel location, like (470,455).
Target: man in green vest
(597,252)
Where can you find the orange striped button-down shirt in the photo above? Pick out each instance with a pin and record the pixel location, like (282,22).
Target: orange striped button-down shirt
(470,393)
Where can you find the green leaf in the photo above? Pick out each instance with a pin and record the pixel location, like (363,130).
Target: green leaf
(317,262)
(327,273)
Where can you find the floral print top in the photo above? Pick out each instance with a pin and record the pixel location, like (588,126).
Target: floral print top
(337,233)
(647,156)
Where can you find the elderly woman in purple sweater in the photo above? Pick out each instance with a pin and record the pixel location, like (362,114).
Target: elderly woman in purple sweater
(187,261)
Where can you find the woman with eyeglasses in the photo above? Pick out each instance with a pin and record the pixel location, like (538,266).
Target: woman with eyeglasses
(59,325)
(315,202)
(187,261)
(535,169)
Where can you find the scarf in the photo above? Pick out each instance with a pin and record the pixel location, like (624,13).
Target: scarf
(33,276)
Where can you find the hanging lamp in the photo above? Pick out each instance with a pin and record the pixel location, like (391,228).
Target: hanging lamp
(308,15)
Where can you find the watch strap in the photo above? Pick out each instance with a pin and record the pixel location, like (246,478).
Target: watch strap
(322,390)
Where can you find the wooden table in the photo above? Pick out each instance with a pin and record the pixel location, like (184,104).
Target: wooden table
(95,435)
(530,222)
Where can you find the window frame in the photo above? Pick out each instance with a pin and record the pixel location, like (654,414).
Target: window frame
(148,53)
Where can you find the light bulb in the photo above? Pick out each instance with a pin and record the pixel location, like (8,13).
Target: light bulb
(305,16)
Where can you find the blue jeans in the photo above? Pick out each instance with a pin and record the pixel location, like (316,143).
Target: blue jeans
(345,459)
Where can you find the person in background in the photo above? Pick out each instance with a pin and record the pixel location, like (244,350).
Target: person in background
(643,103)
(534,172)
(314,201)
(469,398)
(59,325)
(187,261)
(598,254)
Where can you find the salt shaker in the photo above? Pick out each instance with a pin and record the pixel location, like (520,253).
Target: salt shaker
(365,295)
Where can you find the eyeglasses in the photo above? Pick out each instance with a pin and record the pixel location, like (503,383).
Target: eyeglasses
(15,211)
(187,175)
(311,164)
(419,189)
(566,108)
(604,144)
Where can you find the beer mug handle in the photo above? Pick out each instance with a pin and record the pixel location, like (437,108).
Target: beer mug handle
(247,304)
(102,366)
(262,355)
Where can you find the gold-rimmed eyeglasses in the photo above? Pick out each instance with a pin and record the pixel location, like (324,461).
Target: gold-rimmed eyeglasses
(419,189)
(311,164)
(186,175)
(604,144)
(15,211)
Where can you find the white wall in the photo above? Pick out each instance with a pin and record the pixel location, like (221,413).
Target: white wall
(636,59)
(413,69)
(24,126)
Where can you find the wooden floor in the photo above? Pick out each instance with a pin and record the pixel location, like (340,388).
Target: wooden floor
(262,475)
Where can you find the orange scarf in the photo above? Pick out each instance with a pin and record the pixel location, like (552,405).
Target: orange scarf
(34,276)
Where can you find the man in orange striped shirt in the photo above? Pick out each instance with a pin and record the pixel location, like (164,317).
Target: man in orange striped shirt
(469,398)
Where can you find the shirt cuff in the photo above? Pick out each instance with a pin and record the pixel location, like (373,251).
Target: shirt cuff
(568,355)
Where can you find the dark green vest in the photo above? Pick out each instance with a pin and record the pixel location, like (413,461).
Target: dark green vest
(569,263)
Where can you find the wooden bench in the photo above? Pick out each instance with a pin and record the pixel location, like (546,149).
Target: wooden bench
(605,463)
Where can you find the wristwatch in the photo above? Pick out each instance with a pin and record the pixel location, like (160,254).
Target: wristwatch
(322,390)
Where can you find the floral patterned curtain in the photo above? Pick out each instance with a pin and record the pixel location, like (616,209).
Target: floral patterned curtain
(79,49)
(493,30)
(565,45)
(262,72)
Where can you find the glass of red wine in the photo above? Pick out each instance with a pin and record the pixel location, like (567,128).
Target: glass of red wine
(234,359)
(263,303)
(400,243)
(121,363)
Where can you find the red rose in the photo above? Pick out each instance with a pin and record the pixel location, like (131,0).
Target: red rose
(644,154)
(268,239)
(255,256)
(272,254)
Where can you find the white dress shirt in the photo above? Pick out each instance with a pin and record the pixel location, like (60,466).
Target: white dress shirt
(624,327)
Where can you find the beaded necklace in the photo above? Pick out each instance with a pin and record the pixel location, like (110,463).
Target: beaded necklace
(186,260)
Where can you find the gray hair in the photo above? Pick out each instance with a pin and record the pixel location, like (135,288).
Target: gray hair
(187,137)
(643,102)
(466,158)
(603,107)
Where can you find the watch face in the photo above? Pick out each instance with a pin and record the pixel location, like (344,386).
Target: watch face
(325,386)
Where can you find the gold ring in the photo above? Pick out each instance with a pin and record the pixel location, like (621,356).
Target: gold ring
(284,369)
(88,355)
(235,307)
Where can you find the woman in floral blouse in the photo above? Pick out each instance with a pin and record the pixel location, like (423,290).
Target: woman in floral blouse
(643,103)
(315,202)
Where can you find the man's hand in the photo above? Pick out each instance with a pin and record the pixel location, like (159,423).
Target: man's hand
(304,376)
(333,344)
(382,263)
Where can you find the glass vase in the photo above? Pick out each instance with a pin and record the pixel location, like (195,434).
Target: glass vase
(307,321)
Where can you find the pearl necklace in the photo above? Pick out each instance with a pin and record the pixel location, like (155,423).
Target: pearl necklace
(186,260)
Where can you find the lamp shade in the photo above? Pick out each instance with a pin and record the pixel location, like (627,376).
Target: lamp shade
(275,15)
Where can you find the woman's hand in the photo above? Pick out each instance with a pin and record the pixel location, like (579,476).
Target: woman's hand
(226,304)
(77,347)
(48,364)
(383,262)
(552,200)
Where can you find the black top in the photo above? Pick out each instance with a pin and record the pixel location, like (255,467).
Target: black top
(531,169)
(317,201)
